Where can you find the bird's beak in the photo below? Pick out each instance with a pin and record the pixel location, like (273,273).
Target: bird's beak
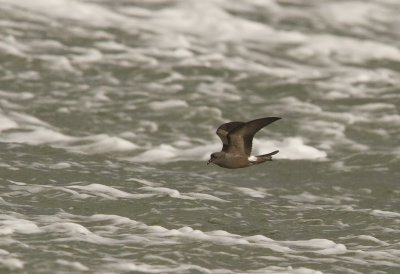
(208,162)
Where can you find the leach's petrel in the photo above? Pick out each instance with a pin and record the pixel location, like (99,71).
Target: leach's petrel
(237,140)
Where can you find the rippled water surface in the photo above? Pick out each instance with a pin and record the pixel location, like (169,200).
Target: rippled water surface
(108,111)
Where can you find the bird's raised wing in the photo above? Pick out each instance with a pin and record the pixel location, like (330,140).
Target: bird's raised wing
(240,139)
(224,130)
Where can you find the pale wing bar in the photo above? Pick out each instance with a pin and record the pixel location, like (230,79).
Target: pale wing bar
(240,139)
(224,130)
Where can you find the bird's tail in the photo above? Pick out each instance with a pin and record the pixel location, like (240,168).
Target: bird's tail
(266,157)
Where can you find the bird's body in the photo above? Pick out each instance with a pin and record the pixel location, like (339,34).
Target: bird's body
(237,139)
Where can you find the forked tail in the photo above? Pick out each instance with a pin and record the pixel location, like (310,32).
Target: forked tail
(266,157)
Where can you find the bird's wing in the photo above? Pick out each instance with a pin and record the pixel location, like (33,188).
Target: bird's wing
(240,139)
(224,130)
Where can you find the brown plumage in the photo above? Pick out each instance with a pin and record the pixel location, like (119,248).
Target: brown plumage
(237,140)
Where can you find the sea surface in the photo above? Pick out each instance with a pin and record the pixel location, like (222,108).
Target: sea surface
(108,112)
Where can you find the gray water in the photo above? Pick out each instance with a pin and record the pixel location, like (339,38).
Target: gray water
(108,112)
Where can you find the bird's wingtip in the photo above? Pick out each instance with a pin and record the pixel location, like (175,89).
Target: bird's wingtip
(274,152)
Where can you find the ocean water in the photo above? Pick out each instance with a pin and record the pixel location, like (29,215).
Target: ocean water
(108,112)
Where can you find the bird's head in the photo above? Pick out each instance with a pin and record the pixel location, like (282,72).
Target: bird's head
(216,157)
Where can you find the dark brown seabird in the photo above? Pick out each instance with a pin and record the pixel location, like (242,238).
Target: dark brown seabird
(237,140)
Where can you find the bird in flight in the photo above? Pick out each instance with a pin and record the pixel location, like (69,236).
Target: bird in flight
(237,140)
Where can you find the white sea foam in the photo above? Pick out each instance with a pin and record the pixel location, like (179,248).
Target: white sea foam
(354,13)
(36,132)
(111,193)
(60,64)
(204,196)
(46,44)
(108,192)
(69,230)
(68,227)
(375,107)
(36,137)
(60,165)
(255,193)
(296,105)
(161,153)
(321,246)
(87,56)
(307,197)
(114,219)
(10,263)
(347,84)
(111,45)
(176,194)
(10,225)
(164,190)
(6,123)
(19,96)
(209,21)
(4,252)
(128,266)
(9,45)
(283,270)
(326,47)
(144,182)
(76,232)
(70,9)
(385,214)
(289,148)
(102,144)
(220,91)
(166,152)
(75,194)
(74,265)
(194,234)
(26,120)
(168,104)
(372,239)
(327,129)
